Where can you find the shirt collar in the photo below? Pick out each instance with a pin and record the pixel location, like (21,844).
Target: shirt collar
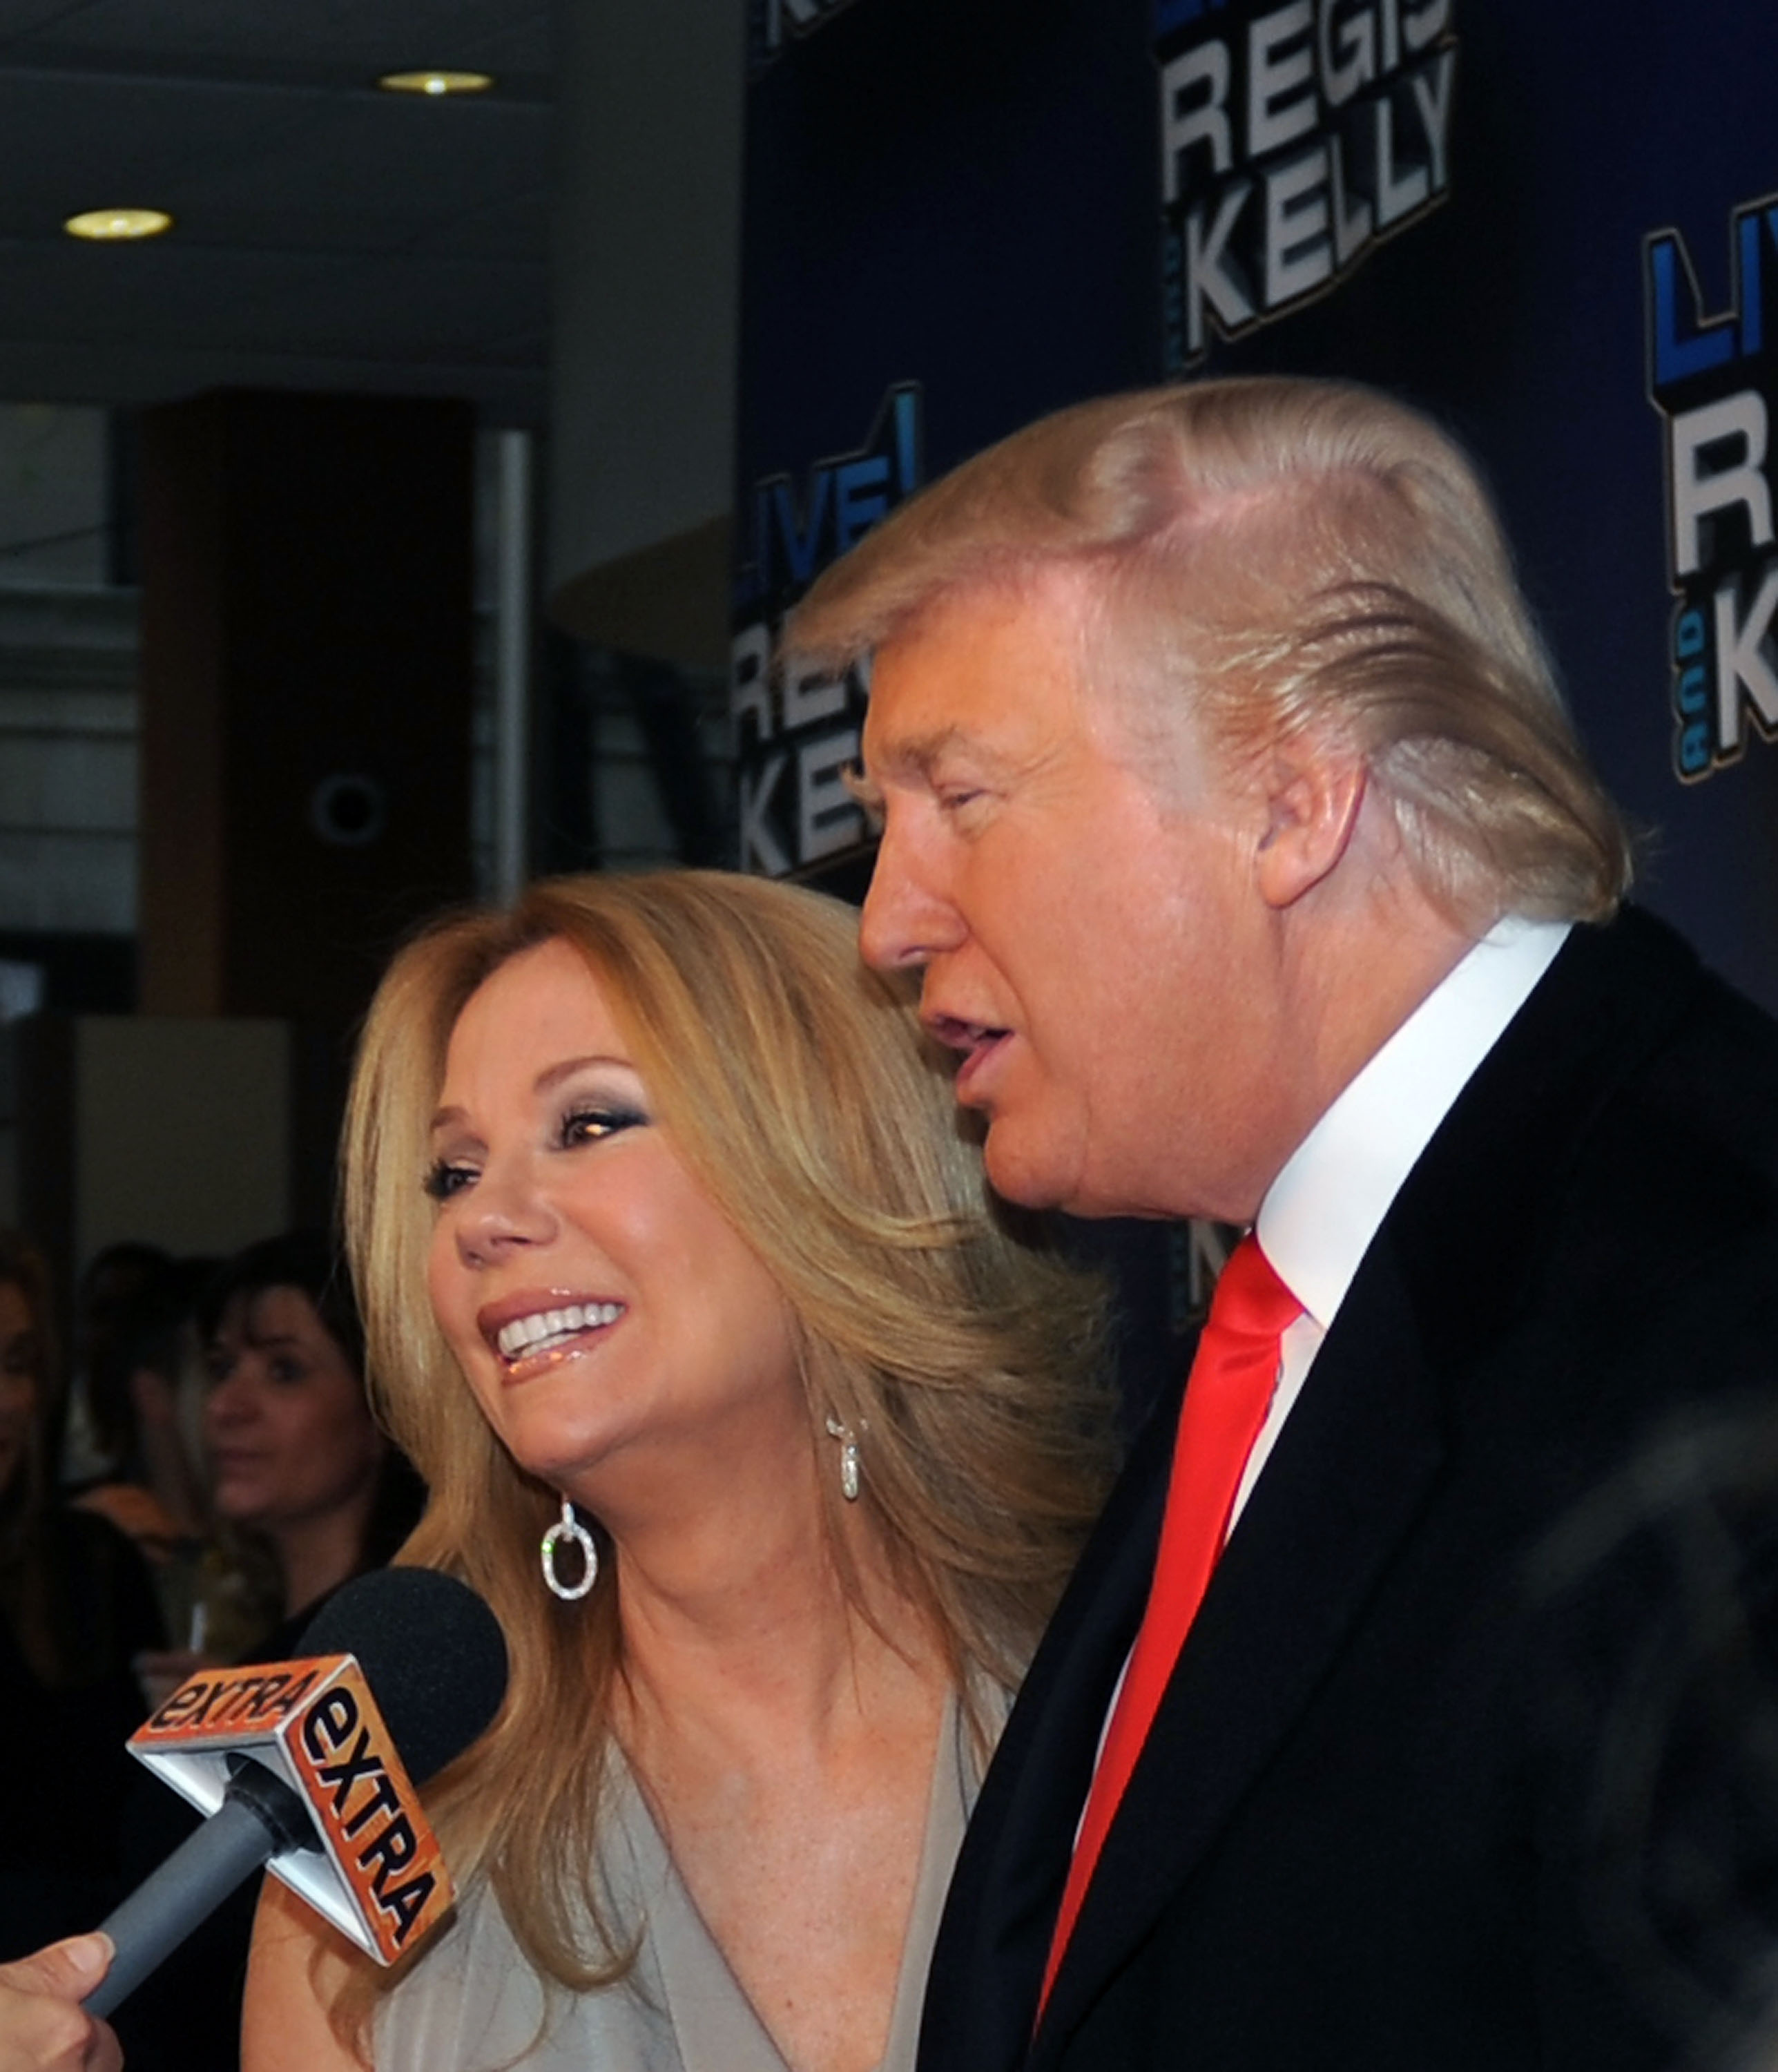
(1320,1213)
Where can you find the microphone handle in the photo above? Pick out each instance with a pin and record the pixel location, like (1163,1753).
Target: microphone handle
(259,1816)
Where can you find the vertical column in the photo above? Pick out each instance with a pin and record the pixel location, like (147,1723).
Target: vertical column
(306,658)
(307,626)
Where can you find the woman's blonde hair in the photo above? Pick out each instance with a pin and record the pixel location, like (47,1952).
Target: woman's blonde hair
(1269,556)
(799,1092)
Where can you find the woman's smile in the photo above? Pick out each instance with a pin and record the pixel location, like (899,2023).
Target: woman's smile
(531,1333)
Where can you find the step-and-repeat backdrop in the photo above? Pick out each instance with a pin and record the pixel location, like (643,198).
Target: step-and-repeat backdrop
(1557,227)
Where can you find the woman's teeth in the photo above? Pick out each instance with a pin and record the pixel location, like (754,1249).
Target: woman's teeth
(526,1333)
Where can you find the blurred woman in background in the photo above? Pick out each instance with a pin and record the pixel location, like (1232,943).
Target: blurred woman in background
(295,1457)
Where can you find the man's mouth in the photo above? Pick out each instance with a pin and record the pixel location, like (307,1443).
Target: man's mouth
(538,1333)
(957,1034)
(978,1040)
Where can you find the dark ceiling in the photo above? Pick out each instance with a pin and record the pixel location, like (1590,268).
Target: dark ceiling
(327,235)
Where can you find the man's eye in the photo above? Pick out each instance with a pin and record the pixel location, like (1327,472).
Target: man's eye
(445,1179)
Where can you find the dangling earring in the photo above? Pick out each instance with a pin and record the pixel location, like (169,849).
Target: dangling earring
(848,1458)
(569,1527)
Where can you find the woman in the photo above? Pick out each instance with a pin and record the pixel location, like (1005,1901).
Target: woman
(296,1459)
(674,1256)
(75,1605)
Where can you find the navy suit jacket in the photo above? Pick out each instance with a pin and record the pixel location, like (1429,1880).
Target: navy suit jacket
(1445,1776)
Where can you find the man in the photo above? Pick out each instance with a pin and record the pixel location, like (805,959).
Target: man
(1230,810)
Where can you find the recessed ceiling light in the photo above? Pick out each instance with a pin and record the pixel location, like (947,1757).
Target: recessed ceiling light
(435,82)
(110,223)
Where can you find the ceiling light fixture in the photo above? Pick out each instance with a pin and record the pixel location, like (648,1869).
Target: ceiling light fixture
(107,223)
(435,82)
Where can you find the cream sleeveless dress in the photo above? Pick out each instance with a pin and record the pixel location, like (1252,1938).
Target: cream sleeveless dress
(472,2004)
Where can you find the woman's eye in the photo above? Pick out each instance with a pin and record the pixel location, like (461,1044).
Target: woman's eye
(288,1372)
(445,1179)
(590,1125)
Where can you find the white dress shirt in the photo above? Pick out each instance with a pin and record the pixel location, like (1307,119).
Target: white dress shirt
(1320,1213)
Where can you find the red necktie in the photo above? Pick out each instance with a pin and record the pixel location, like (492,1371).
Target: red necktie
(1226,1398)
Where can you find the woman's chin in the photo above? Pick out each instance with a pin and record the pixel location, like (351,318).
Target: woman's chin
(246,1510)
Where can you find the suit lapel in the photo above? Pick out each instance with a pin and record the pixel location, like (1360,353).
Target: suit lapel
(1351,1471)
(995,1937)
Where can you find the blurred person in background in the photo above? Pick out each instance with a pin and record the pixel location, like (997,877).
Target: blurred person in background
(125,1455)
(294,1457)
(76,1606)
(306,1492)
(116,1282)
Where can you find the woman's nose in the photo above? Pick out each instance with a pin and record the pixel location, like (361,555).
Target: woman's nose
(505,1211)
(230,1402)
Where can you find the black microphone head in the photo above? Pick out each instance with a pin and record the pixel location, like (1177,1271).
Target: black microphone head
(431,1652)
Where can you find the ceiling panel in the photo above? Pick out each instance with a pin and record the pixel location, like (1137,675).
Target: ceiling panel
(384,308)
(286,39)
(326,233)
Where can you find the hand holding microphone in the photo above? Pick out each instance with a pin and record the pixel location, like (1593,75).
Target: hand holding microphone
(42,2026)
(312,1766)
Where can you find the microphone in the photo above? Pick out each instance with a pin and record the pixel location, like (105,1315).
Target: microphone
(297,1764)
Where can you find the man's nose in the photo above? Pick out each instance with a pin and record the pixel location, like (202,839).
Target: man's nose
(908,916)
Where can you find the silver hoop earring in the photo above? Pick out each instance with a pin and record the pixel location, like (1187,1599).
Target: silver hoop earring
(848,1458)
(568,1526)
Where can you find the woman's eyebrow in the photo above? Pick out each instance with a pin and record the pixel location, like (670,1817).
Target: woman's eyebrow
(551,1077)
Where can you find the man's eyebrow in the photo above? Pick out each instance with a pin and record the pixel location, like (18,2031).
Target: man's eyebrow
(919,754)
(916,756)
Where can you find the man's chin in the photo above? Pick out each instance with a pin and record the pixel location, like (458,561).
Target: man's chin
(1022,1169)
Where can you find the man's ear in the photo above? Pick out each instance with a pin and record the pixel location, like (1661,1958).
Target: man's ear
(1313,795)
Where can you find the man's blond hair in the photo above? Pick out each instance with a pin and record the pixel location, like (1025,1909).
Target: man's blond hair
(1270,557)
